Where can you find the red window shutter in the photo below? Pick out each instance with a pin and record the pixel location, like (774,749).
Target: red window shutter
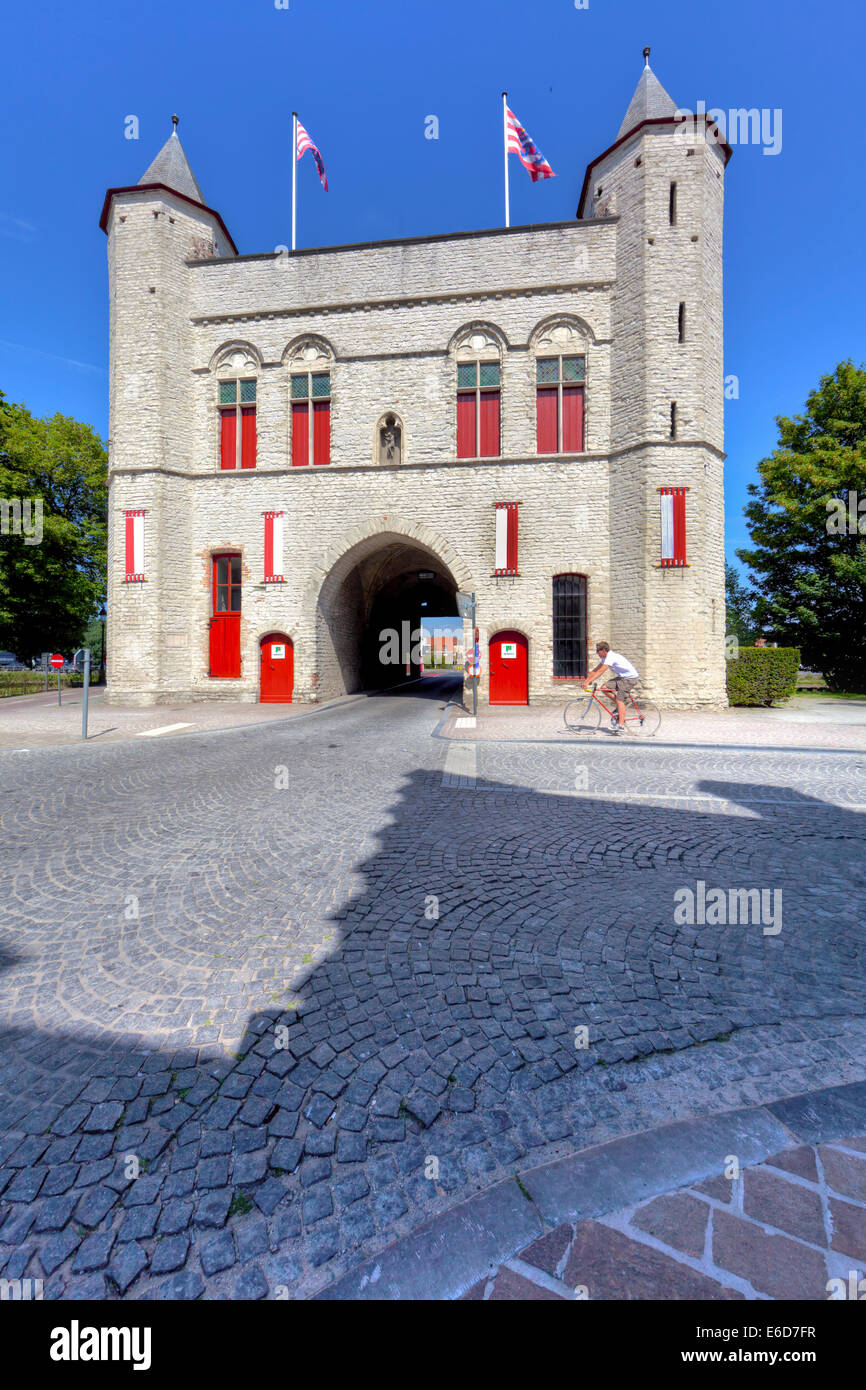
(512,537)
(679,526)
(673,525)
(546,411)
(300,433)
(466,427)
(269,544)
(572,419)
(129,547)
(489,424)
(321,432)
(228,438)
(248,437)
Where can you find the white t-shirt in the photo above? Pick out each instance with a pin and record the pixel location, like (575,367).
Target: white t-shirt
(620,666)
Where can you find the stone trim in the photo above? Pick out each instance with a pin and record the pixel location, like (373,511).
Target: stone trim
(533,460)
(362,306)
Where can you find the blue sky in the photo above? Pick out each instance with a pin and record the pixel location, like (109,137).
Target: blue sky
(364,75)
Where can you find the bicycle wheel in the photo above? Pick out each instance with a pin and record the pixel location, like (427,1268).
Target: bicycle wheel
(583,716)
(648,725)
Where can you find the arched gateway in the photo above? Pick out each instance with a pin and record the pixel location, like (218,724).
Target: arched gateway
(381,579)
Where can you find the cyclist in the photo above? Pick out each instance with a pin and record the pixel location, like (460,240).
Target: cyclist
(624,675)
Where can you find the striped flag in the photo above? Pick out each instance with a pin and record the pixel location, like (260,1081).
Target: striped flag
(304,144)
(528,153)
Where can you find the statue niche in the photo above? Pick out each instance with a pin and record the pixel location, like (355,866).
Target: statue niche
(389,435)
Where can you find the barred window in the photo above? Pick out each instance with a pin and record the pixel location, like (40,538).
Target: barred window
(569,627)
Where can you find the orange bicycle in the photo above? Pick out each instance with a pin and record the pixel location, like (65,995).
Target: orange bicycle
(594,713)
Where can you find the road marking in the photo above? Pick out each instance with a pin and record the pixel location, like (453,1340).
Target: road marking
(461,765)
(467,723)
(164,729)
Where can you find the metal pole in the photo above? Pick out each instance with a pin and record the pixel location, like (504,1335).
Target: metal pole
(58,687)
(474,655)
(505,139)
(45,668)
(86,685)
(294,177)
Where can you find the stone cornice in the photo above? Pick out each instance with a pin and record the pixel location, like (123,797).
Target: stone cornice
(229,476)
(361,306)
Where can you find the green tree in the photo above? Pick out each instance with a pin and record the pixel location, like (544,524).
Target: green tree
(809,566)
(739,615)
(53,495)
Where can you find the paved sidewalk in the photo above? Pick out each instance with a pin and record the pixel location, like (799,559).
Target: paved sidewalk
(665,1214)
(37,721)
(802,723)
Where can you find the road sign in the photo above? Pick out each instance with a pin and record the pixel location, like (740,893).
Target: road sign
(57,662)
(465,605)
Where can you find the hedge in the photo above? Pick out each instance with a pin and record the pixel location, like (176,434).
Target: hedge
(763,675)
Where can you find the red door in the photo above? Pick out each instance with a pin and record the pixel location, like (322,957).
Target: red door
(509,669)
(225,623)
(278,670)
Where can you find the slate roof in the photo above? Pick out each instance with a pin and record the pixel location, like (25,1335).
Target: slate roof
(171,167)
(650,101)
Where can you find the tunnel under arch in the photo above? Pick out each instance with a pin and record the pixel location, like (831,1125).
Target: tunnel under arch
(377,584)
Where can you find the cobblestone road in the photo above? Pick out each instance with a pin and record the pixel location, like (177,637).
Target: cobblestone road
(311,992)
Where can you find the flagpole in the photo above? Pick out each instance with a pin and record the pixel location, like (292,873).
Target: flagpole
(294,177)
(505,156)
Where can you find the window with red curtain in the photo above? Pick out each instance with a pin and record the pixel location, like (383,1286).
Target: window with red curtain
(237,409)
(311,418)
(559,404)
(478,433)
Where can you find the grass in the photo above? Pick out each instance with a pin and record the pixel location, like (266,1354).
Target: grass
(33,682)
(241,1203)
(833,694)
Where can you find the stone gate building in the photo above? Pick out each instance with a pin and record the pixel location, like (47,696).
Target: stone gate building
(310,448)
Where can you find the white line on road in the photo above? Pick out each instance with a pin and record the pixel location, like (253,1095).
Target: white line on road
(164,729)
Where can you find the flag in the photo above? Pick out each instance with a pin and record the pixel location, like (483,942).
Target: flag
(528,153)
(304,144)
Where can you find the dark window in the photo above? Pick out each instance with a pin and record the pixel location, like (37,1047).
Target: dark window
(569,626)
(681,324)
(672,205)
(673,419)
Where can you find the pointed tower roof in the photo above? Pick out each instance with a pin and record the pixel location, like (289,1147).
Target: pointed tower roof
(171,168)
(650,101)
(170,171)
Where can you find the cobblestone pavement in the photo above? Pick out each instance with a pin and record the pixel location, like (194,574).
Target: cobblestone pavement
(791,1227)
(313,992)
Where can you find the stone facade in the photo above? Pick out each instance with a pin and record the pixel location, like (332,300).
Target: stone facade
(390,322)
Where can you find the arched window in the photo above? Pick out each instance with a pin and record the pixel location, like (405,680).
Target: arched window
(237,384)
(560,386)
(310,363)
(479,380)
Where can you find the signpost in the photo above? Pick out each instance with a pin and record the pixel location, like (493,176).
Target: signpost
(85,653)
(56,663)
(466,609)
